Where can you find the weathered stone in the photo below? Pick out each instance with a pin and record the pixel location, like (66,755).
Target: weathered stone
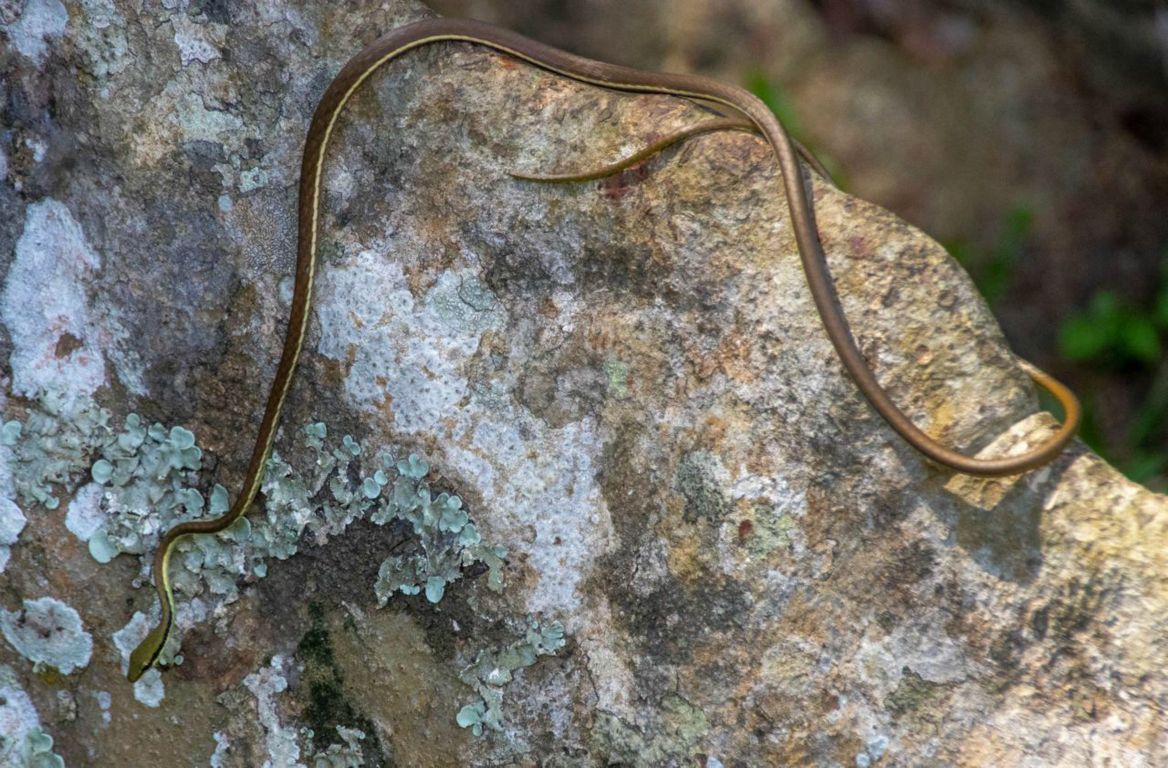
(680,534)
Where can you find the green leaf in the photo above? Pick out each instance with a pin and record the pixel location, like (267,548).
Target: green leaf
(1140,340)
(770,93)
(1142,467)
(1082,337)
(1160,312)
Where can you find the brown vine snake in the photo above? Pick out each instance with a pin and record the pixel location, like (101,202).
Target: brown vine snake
(399,41)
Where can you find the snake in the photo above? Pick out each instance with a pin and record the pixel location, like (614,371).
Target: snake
(751,111)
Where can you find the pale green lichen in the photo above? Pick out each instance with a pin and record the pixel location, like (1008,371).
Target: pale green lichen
(52,446)
(150,477)
(679,732)
(345,754)
(771,530)
(149,480)
(252,179)
(37,751)
(22,742)
(617,374)
(447,541)
(38,22)
(12,519)
(873,750)
(48,633)
(492,669)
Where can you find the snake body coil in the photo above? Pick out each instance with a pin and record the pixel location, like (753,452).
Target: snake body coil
(399,41)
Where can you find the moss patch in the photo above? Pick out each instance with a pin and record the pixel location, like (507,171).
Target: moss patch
(322,689)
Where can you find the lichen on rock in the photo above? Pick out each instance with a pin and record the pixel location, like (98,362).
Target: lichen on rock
(49,633)
(145,479)
(492,669)
(23,744)
(715,553)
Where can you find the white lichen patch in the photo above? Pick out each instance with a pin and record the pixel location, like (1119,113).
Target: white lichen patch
(37,146)
(283,750)
(282,742)
(222,746)
(882,657)
(41,22)
(12,520)
(55,343)
(346,753)
(405,352)
(197,42)
(252,179)
(22,742)
(122,349)
(544,501)
(84,516)
(101,37)
(538,481)
(49,633)
(148,689)
(199,122)
(104,702)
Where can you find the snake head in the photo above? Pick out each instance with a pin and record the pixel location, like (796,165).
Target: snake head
(147,652)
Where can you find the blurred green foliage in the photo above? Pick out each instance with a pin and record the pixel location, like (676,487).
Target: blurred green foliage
(993,269)
(776,99)
(1112,337)
(1123,337)
(771,94)
(1114,332)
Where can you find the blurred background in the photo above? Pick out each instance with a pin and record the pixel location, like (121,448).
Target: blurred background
(1030,138)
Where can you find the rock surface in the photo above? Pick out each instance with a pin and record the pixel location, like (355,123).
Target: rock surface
(1028,137)
(569,475)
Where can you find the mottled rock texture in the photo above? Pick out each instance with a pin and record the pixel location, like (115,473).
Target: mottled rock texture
(1029,137)
(716,554)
